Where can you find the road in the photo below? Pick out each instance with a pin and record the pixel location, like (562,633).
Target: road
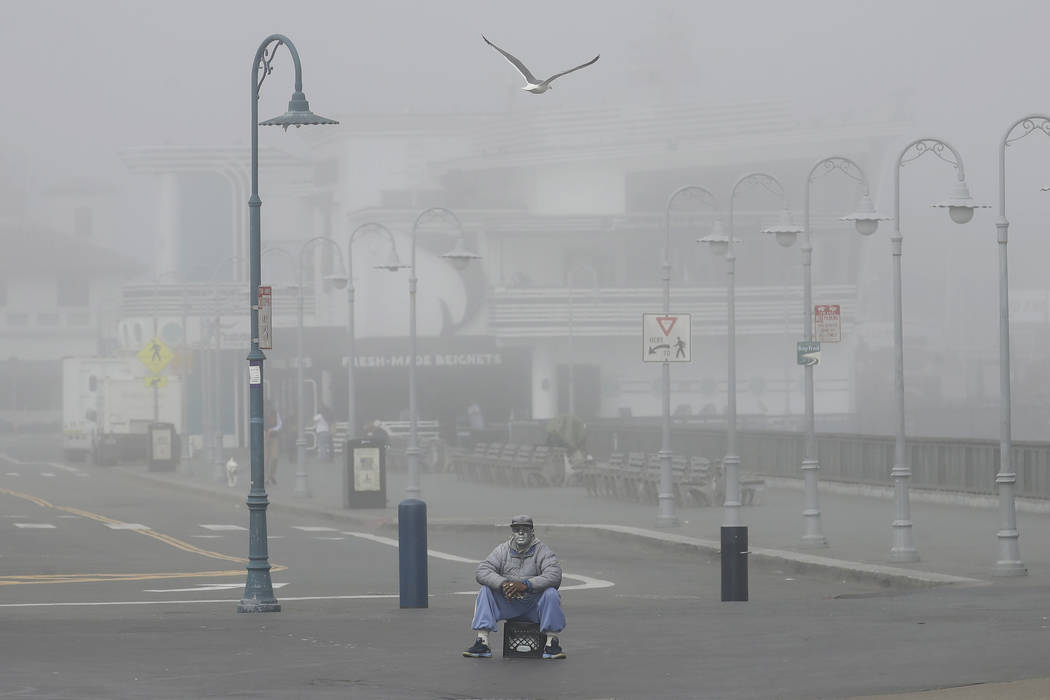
(117,588)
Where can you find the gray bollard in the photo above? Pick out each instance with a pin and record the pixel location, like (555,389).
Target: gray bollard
(734,563)
(412,552)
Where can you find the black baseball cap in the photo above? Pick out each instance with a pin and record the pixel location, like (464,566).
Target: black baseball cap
(522,521)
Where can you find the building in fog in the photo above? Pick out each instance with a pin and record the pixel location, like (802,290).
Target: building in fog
(565,205)
(60,290)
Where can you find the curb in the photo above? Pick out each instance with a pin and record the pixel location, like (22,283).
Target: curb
(796,561)
(953,498)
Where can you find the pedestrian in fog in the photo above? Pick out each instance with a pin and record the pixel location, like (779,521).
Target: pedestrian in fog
(519,579)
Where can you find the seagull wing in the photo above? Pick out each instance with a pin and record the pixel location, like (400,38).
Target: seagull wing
(566,72)
(529,77)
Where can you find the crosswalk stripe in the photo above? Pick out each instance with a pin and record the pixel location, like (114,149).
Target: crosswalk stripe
(36,526)
(224,527)
(313,528)
(127,526)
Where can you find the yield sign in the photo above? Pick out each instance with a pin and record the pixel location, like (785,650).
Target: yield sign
(666,338)
(666,323)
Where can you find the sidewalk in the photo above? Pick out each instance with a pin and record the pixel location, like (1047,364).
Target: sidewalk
(955,534)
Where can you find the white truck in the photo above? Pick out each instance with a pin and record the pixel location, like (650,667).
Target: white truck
(108,405)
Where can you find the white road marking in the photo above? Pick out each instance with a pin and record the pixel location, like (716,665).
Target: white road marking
(207,587)
(588,582)
(311,528)
(275,537)
(337,539)
(53,465)
(224,527)
(224,601)
(36,526)
(67,516)
(11,474)
(127,526)
(50,474)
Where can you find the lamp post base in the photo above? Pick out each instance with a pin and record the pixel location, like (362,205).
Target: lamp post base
(253,605)
(904,554)
(814,541)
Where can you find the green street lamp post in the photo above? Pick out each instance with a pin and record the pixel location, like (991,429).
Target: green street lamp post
(258,589)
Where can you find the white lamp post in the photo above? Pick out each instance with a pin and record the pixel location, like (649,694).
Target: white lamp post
(460,257)
(665,498)
(725,246)
(960,208)
(866,222)
(393,265)
(1009,561)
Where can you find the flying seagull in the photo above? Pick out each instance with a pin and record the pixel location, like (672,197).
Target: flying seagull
(533,85)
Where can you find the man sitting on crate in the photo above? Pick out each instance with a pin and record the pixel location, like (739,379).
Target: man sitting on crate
(519,580)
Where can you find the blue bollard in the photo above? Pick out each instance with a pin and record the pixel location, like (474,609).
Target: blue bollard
(734,562)
(412,552)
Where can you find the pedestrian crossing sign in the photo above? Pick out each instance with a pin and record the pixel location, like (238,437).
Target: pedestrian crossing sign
(155,355)
(666,338)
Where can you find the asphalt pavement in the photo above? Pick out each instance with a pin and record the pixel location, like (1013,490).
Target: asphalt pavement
(799,639)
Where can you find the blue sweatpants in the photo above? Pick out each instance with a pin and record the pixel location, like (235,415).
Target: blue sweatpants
(544,609)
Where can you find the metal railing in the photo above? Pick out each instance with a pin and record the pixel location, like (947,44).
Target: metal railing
(960,465)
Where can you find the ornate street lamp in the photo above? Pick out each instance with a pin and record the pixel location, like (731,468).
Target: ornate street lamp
(960,208)
(460,257)
(724,245)
(866,221)
(258,589)
(665,514)
(393,264)
(1009,561)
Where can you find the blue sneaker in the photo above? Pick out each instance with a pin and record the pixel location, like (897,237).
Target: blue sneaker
(553,650)
(479,650)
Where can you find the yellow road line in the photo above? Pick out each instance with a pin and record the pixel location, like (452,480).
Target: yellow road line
(83,578)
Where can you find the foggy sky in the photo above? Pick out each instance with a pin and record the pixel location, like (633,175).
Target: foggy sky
(86,79)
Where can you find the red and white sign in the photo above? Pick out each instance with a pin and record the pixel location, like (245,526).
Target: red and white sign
(827,323)
(666,338)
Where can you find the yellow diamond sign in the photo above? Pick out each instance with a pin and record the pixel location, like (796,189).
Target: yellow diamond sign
(156,355)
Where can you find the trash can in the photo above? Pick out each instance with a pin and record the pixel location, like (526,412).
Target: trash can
(163,447)
(364,474)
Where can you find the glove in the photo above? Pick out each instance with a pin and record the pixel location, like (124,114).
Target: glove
(513,589)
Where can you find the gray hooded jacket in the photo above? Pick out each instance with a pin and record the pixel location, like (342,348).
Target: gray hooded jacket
(537,566)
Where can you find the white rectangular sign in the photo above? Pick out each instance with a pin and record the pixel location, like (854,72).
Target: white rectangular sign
(666,338)
(265,318)
(827,323)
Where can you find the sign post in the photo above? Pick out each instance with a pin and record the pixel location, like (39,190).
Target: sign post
(827,323)
(666,338)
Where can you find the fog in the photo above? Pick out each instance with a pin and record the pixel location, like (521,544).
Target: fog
(88,81)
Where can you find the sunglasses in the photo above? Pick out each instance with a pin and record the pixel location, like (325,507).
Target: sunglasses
(520,528)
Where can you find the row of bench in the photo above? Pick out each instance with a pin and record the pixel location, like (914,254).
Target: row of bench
(636,477)
(512,464)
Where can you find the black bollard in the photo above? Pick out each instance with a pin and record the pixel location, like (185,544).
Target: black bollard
(734,563)
(412,552)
